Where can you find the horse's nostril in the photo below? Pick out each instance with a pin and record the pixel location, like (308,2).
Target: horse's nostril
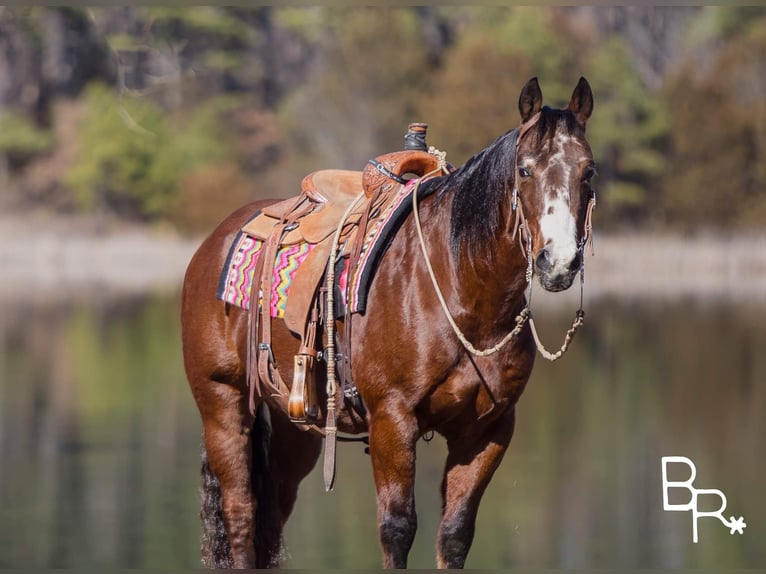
(543,261)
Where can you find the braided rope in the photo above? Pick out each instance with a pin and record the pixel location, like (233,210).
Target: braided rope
(579,320)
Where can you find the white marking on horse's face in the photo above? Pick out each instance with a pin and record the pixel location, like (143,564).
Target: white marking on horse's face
(559,232)
(558,227)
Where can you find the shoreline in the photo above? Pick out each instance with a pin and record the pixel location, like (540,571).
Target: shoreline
(74,262)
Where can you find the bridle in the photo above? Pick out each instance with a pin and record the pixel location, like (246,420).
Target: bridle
(520,228)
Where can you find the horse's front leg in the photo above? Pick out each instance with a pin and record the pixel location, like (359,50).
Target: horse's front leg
(393,435)
(471,462)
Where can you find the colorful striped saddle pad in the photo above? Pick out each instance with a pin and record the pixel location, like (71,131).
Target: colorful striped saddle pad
(236,279)
(236,282)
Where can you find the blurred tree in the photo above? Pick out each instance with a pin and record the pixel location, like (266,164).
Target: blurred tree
(21,139)
(362,92)
(509,45)
(131,156)
(718,146)
(331,87)
(46,53)
(473,97)
(653,35)
(626,133)
(116,156)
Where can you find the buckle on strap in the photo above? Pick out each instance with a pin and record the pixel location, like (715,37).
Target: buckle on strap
(267,347)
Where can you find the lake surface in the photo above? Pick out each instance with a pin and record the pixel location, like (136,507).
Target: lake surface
(100,444)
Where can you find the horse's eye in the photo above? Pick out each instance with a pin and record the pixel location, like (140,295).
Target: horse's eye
(524,172)
(589,173)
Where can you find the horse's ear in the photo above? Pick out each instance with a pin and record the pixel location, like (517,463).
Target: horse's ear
(530,100)
(581,103)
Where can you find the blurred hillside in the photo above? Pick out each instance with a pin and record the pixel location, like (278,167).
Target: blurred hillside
(179,115)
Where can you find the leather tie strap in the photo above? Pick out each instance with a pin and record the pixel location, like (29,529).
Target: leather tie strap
(261,368)
(387,172)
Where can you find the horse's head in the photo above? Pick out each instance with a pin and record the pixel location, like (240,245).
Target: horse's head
(554,166)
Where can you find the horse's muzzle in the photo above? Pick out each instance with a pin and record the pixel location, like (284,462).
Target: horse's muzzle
(556,275)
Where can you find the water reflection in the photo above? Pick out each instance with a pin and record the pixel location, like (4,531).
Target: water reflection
(99,446)
(98,437)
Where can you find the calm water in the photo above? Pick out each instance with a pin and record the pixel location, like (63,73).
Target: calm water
(100,441)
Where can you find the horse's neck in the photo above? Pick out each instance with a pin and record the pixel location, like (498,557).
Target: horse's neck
(493,283)
(484,291)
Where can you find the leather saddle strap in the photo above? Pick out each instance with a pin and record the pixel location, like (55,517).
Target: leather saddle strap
(265,355)
(356,252)
(260,352)
(260,317)
(308,345)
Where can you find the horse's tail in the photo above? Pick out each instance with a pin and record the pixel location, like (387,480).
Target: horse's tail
(263,485)
(216,552)
(214,546)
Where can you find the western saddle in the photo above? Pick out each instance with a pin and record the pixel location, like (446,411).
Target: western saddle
(315,216)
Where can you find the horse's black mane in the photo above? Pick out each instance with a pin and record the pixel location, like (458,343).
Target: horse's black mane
(481,185)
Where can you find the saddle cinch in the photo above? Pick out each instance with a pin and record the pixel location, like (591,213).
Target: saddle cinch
(314,217)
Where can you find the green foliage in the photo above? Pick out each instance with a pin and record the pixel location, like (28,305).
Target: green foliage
(131,155)
(463,114)
(211,20)
(625,131)
(20,138)
(306,23)
(716,23)
(116,154)
(474,96)
(537,35)
(359,102)
(222,60)
(333,86)
(125,43)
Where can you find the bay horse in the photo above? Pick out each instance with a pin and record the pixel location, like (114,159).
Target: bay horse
(414,372)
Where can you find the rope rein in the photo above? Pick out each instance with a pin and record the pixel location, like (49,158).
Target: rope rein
(521,318)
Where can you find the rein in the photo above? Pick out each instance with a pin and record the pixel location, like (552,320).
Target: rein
(521,318)
(520,225)
(331,428)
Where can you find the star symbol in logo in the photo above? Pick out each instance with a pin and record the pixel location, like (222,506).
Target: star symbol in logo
(737,525)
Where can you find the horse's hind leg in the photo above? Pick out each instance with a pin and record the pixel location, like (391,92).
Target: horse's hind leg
(257,493)
(471,462)
(294,453)
(227,429)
